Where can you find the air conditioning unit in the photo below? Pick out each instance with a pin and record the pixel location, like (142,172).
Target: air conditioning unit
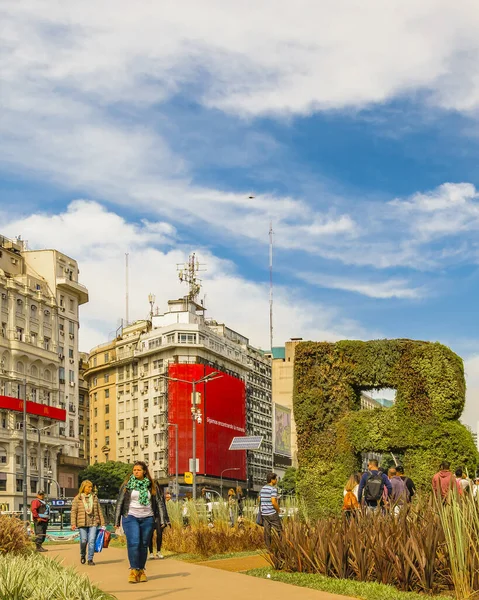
(66,269)
(156,388)
(142,373)
(61,431)
(72,361)
(142,447)
(71,336)
(46,313)
(62,332)
(19,301)
(33,307)
(72,384)
(62,309)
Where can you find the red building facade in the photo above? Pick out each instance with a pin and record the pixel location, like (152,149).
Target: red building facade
(223,417)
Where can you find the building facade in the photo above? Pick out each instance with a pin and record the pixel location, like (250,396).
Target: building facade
(141,357)
(39,319)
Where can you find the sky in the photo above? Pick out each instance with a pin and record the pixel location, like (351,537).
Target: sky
(159,129)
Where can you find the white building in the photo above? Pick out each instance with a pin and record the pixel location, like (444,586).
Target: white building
(137,361)
(39,307)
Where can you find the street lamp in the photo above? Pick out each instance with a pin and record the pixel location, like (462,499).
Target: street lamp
(175,425)
(195,413)
(39,431)
(221,477)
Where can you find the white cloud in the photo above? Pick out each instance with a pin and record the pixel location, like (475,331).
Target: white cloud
(391,288)
(98,239)
(251,58)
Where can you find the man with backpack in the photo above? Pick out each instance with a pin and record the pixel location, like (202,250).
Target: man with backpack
(400,494)
(373,485)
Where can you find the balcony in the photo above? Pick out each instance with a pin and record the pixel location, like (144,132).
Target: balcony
(72,461)
(73,287)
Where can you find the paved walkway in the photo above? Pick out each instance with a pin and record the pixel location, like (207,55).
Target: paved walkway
(180,580)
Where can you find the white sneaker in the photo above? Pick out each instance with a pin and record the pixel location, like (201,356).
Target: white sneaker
(159,555)
(152,557)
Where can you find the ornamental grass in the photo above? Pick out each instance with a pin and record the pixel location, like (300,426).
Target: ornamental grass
(34,577)
(428,547)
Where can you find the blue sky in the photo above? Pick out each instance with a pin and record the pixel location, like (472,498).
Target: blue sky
(145,129)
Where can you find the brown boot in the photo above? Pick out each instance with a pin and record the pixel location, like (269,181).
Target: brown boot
(134,576)
(142,578)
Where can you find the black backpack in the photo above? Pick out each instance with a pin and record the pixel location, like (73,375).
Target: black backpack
(373,490)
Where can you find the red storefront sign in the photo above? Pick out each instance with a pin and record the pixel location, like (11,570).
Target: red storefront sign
(33,408)
(223,416)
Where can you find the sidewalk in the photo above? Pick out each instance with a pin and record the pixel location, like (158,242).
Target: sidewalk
(180,580)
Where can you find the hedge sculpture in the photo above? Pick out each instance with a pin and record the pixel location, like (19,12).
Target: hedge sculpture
(332,431)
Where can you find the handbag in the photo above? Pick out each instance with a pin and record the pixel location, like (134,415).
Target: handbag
(259,518)
(106,539)
(100,537)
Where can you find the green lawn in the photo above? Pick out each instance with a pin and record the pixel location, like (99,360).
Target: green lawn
(345,587)
(197,558)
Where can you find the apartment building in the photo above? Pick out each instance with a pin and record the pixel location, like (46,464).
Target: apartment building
(39,319)
(141,357)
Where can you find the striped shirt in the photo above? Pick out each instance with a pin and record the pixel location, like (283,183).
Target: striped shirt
(266,506)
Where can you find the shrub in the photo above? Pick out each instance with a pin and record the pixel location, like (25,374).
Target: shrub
(13,536)
(207,540)
(35,577)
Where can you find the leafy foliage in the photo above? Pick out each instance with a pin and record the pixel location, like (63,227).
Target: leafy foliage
(107,477)
(332,431)
(13,536)
(288,482)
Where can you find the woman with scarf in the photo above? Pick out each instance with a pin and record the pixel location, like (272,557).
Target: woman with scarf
(87,516)
(140,502)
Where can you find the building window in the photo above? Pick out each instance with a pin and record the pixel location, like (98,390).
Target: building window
(107,378)
(71,327)
(61,374)
(135,422)
(107,424)
(146,441)
(70,353)
(95,443)
(19,485)
(107,393)
(121,424)
(95,381)
(3,484)
(3,455)
(62,300)
(106,357)
(170,339)
(107,440)
(95,412)
(71,376)
(72,305)
(186,338)
(95,427)
(107,408)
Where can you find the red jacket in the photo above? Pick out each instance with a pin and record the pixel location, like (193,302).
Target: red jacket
(36,506)
(445,481)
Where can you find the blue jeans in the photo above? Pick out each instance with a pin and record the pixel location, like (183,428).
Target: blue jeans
(138,533)
(87,536)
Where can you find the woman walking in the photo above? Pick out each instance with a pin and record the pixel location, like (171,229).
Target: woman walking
(139,502)
(87,516)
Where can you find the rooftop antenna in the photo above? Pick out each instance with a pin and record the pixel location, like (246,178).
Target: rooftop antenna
(187,273)
(271,285)
(127,316)
(151,300)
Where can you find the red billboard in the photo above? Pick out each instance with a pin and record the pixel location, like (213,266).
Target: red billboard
(223,417)
(33,408)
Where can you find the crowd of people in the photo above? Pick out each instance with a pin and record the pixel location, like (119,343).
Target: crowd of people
(376,488)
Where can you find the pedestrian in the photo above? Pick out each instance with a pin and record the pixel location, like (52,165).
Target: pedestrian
(139,502)
(231,506)
(41,515)
(444,482)
(240,499)
(374,487)
(350,495)
(269,508)
(411,488)
(463,480)
(399,495)
(158,529)
(87,516)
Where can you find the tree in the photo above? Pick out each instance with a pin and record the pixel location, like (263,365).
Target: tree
(106,477)
(288,482)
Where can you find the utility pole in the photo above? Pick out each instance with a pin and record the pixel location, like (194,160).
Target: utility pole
(271,285)
(25,489)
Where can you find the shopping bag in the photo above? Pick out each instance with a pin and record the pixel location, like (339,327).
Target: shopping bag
(106,539)
(100,536)
(259,518)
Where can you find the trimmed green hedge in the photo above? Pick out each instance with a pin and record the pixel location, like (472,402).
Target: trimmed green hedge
(332,431)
